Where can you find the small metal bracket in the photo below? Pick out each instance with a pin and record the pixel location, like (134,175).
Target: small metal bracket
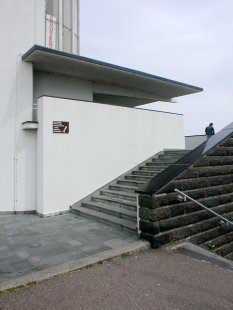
(181,198)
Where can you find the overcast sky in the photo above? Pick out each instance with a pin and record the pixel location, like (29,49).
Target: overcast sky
(184,40)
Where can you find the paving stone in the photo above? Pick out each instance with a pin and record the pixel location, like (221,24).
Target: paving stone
(30,243)
(74,242)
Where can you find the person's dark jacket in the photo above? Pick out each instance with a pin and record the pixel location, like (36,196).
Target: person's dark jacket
(209,131)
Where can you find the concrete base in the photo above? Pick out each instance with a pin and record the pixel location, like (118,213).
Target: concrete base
(199,253)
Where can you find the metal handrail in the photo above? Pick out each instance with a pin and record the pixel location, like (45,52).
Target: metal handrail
(184,198)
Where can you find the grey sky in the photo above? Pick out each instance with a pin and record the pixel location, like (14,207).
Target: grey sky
(184,40)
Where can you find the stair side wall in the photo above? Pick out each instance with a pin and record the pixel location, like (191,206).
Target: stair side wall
(163,219)
(104,141)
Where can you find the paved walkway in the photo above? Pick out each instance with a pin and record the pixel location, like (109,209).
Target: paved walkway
(29,244)
(153,280)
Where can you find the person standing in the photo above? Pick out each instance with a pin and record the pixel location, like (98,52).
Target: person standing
(209,130)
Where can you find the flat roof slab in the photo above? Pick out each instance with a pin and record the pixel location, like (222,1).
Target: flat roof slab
(154,87)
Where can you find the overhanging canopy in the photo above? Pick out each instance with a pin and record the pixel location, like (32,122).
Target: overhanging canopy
(153,87)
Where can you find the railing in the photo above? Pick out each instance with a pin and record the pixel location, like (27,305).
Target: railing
(178,167)
(182,196)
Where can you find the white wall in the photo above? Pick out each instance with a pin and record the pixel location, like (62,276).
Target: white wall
(104,142)
(47,84)
(21,26)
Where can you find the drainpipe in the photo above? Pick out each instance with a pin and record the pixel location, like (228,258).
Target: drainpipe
(18,59)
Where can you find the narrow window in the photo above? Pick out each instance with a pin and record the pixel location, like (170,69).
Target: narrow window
(52,23)
(67,26)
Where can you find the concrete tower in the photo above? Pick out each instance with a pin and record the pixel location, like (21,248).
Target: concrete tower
(62,25)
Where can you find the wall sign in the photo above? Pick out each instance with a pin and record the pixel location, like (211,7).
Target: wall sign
(60,127)
(51,31)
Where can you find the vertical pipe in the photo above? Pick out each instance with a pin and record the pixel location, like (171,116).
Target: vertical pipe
(18,59)
(138,218)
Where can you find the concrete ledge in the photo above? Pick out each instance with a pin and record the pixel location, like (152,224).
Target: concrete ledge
(192,250)
(135,246)
(53,213)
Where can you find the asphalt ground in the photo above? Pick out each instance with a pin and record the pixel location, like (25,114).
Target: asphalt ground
(154,279)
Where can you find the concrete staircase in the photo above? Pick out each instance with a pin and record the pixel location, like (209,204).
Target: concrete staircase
(209,181)
(115,204)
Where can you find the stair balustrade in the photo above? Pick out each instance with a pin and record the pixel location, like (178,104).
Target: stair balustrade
(183,197)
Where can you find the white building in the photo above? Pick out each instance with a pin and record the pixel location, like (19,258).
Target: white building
(45,84)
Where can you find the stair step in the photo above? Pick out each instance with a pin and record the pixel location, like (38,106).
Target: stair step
(219,240)
(229,256)
(150,174)
(119,194)
(170,157)
(174,151)
(110,209)
(130,182)
(198,183)
(127,204)
(117,205)
(224,249)
(206,236)
(223,151)
(193,217)
(160,164)
(214,161)
(200,193)
(139,177)
(124,188)
(206,171)
(186,208)
(107,219)
(184,232)
(152,169)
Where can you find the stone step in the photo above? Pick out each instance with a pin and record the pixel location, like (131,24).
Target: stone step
(119,194)
(126,182)
(157,238)
(182,152)
(193,217)
(209,235)
(107,219)
(117,204)
(214,161)
(110,209)
(222,151)
(228,142)
(144,178)
(123,203)
(224,249)
(166,158)
(203,182)
(205,171)
(162,164)
(229,256)
(180,209)
(203,195)
(219,241)
(152,169)
(149,174)
(173,157)
(123,188)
